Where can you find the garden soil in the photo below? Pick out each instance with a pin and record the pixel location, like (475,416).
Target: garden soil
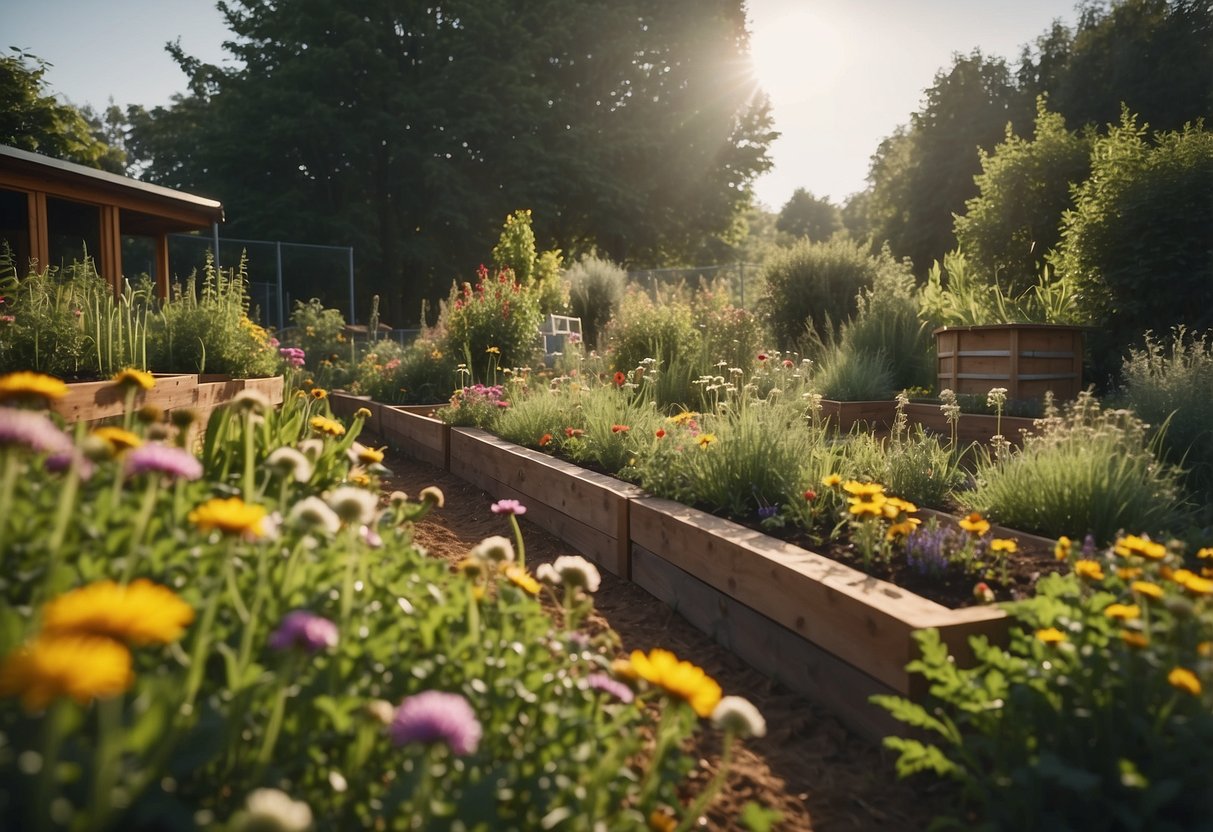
(809,767)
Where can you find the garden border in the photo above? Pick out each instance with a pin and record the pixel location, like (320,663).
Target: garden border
(91,401)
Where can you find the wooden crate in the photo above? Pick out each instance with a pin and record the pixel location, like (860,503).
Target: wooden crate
(421,437)
(586,509)
(1026,359)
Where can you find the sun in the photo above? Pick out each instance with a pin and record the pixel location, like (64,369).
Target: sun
(796,53)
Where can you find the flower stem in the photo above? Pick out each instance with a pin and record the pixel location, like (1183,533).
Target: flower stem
(705,796)
(518,542)
(106,765)
(46,790)
(141,522)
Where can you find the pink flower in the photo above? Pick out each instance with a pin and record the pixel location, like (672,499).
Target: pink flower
(305,630)
(604,683)
(508,507)
(33,430)
(433,717)
(174,463)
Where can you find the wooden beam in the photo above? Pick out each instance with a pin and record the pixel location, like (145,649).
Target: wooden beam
(161,266)
(111,247)
(39,238)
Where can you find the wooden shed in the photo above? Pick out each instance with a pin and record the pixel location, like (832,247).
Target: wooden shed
(52,211)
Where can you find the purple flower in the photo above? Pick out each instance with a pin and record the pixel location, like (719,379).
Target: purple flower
(175,463)
(60,461)
(928,550)
(33,430)
(604,683)
(293,356)
(767,511)
(508,507)
(434,716)
(305,630)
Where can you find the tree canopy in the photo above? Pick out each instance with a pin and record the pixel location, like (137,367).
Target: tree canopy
(410,130)
(805,215)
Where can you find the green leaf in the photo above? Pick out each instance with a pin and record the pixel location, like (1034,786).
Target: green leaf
(758,818)
(916,756)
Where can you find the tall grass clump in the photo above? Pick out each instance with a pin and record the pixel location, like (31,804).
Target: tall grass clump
(1082,471)
(596,288)
(852,376)
(1170,387)
(886,323)
(662,329)
(913,464)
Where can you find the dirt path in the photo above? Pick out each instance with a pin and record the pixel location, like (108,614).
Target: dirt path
(808,767)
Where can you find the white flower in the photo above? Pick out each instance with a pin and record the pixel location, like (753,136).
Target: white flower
(290,462)
(354,505)
(497,549)
(576,571)
(547,573)
(270,810)
(313,448)
(432,494)
(738,714)
(251,400)
(314,513)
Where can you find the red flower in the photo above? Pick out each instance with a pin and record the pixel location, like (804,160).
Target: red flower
(620,428)
(661,433)
(620,378)
(762,356)
(810,495)
(545,439)
(572,432)
(789,363)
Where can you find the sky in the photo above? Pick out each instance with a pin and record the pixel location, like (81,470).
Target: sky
(841,74)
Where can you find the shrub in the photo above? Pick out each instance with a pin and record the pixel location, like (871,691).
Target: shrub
(955,296)
(498,316)
(596,289)
(811,288)
(1095,716)
(851,376)
(1085,470)
(420,373)
(1172,390)
(515,251)
(320,333)
(644,328)
(886,323)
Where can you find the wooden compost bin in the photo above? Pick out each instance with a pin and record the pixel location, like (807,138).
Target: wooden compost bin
(1026,359)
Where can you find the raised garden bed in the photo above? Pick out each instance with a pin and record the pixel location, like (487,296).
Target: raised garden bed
(970,427)
(92,401)
(872,415)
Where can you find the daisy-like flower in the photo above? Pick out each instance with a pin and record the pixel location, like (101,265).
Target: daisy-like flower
(271,810)
(82,667)
(1089,569)
(605,684)
(27,386)
(866,508)
(353,505)
(1132,545)
(361,454)
(436,717)
(679,679)
(305,630)
(547,573)
(576,571)
(683,418)
(703,440)
(573,433)
(250,401)
(230,515)
(32,430)
(496,549)
(326,426)
(619,379)
(174,463)
(902,529)
(117,439)
(432,494)
(831,480)
(738,715)
(139,613)
(312,448)
(1123,612)
(1148,589)
(1051,635)
(131,378)
(289,462)
(314,514)
(974,524)
(1004,545)
(319,393)
(1063,548)
(1183,679)
(1192,582)
(522,579)
(1134,639)
(863,490)
(508,507)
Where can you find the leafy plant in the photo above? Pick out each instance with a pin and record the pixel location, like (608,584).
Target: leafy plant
(852,376)
(596,288)
(955,295)
(662,329)
(320,333)
(497,314)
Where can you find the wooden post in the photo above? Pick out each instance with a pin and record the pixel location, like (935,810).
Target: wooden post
(162,266)
(39,239)
(111,248)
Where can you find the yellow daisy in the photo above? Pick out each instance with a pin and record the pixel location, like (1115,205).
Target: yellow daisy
(130,377)
(1183,679)
(230,516)
(1137,641)
(370,456)
(1051,635)
(974,524)
(831,480)
(522,579)
(680,679)
(1123,612)
(1063,548)
(27,385)
(140,613)
(1141,546)
(1089,569)
(82,667)
(1004,545)
(118,439)
(329,427)
(862,489)
(705,439)
(1150,590)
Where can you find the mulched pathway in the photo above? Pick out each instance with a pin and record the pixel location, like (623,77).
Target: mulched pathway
(808,767)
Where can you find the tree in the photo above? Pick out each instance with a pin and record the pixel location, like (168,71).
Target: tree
(923,174)
(410,129)
(1024,187)
(805,215)
(31,119)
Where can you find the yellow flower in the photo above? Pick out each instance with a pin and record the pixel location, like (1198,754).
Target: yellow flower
(1206,553)
(470,568)
(327,426)
(50,667)
(493,351)
(359,478)
(1129,573)
(831,480)
(1089,569)
(1135,640)
(1051,635)
(1062,550)
(662,821)
(974,524)
(520,578)
(705,439)
(683,418)
(902,529)
(1141,546)
(678,678)
(230,516)
(863,489)
(623,669)
(140,613)
(25,384)
(1193,582)
(370,455)
(1183,679)
(118,439)
(130,377)
(1123,612)
(362,413)
(861,508)
(1004,545)
(319,393)
(895,505)
(1147,589)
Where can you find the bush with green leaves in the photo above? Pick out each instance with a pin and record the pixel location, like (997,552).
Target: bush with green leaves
(420,373)
(320,333)
(596,288)
(662,329)
(497,316)
(1083,470)
(955,295)
(208,330)
(886,323)
(849,375)
(1097,715)
(810,288)
(1170,387)
(1136,245)
(539,272)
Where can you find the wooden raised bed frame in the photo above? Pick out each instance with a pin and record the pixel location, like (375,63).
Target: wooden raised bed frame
(95,400)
